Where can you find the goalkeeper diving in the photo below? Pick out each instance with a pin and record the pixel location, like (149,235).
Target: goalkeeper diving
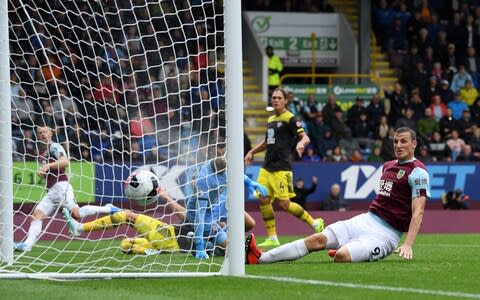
(203,220)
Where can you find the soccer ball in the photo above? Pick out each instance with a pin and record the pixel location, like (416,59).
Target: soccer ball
(142,186)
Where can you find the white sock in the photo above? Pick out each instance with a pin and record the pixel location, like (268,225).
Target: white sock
(33,232)
(89,210)
(290,251)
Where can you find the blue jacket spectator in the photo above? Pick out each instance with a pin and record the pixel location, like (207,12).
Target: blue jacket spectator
(457,106)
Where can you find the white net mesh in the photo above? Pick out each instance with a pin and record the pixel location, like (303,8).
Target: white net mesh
(124,84)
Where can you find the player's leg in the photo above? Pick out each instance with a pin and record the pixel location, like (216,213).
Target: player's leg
(66,198)
(249,222)
(287,252)
(266,209)
(44,208)
(102,223)
(284,193)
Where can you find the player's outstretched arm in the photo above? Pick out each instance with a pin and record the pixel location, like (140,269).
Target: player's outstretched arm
(176,208)
(418,207)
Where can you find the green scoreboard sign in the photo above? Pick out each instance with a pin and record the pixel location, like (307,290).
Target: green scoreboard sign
(29,187)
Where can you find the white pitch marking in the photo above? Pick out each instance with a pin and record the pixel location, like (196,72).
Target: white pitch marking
(368,286)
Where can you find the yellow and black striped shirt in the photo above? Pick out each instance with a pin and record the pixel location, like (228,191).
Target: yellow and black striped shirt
(282,136)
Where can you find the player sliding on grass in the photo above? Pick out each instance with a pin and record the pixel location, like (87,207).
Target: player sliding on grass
(283,134)
(398,207)
(53,162)
(203,220)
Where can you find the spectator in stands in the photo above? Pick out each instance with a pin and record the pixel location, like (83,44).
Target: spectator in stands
(348,143)
(438,108)
(302,192)
(387,145)
(467,154)
(447,124)
(434,27)
(466,125)
(423,154)
(381,131)
(294,104)
(310,155)
(455,144)
(475,143)
(432,89)
(311,109)
(376,155)
(397,37)
(410,62)
(438,148)
(26,145)
(275,67)
(418,79)
(353,113)
(414,26)
(362,131)
(472,64)
(382,21)
(428,60)
(454,200)
(460,78)
(356,156)
(468,93)
(375,110)
(316,131)
(417,105)
(336,155)
(330,109)
(426,126)
(327,143)
(338,125)
(407,120)
(451,62)
(398,103)
(475,111)
(335,200)
(457,106)
(438,73)
(441,45)
(445,93)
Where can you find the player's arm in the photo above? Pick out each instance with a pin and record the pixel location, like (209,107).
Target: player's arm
(258,148)
(418,208)
(419,183)
(173,205)
(302,143)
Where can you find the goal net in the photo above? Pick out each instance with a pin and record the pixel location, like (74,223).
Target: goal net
(124,85)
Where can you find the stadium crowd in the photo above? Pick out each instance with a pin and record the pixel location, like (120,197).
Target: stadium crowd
(125,87)
(433,45)
(131,88)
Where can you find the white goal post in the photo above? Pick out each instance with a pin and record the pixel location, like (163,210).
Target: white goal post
(124,85)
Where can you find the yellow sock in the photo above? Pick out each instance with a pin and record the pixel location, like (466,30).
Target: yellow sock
(298,211)
(269,219)
(106,222)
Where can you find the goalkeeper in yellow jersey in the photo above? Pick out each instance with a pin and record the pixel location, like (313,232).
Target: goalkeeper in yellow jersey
(153,237)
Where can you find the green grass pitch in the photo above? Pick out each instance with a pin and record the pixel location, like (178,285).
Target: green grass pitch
(444,267)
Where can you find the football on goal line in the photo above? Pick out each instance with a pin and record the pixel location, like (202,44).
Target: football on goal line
(142,186)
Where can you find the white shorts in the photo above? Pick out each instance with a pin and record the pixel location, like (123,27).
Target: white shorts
(366,236)
(59,195)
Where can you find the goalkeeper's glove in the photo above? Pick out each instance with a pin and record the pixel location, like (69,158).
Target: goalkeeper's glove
(254,186)
(201,255)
